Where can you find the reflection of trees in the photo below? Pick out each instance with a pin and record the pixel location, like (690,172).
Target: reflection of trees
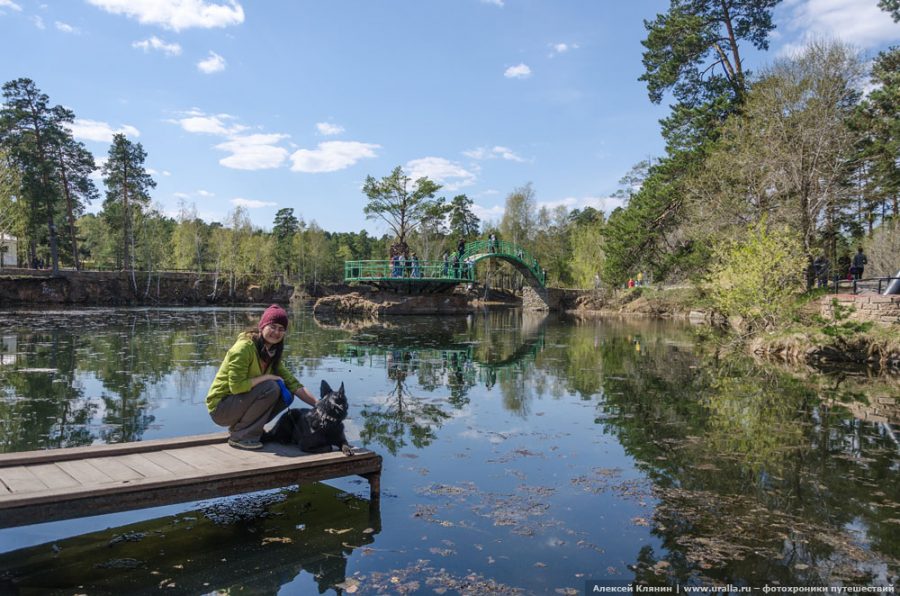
(43,406)
(196,555)
(756,478)
(401,414)
(131,352)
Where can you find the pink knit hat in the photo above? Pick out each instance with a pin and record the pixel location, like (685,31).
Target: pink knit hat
(274,315)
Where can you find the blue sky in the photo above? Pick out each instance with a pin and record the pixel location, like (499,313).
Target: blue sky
(273,104)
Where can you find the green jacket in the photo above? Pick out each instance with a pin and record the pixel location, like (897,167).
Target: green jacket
(240,365)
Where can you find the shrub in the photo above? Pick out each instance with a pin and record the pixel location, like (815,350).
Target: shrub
(758,277)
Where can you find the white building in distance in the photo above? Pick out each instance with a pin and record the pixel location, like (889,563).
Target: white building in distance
(8,251)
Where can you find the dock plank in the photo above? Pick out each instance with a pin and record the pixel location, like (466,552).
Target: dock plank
(20,479)
(177,470)
(201,460)
(169,462)
(84,472)
(143,466)
(52,476)
(116,469)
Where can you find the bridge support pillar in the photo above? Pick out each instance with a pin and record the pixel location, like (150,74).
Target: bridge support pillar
(536,298)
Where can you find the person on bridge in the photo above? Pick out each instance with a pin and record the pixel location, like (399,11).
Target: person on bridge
(461,247)
(492,242)
(252,385)
(416,272)
(445,270)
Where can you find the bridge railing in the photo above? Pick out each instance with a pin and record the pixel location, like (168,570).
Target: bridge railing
(455,269)
(507,249)
(426,270)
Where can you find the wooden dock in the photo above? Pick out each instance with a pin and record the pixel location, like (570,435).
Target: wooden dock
(48,485)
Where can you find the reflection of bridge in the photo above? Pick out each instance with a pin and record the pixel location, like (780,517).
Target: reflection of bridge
(442,276)
(457,357)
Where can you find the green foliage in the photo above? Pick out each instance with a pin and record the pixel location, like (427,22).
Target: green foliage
(877,122)
(759,276)
(286,225)
(463,223)
(892,7)
(587,252)
(644,235)
(127,192)
(840,326)
(519,218)
(29,129)
(403,206)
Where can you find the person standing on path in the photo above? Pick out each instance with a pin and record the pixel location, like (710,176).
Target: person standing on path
(252,385)
(859,263)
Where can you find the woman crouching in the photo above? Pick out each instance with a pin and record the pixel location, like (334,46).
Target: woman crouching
(247,390)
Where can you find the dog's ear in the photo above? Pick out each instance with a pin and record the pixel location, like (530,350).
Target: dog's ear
(325,389)
(341,391)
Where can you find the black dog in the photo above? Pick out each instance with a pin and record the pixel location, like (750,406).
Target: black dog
(314,430)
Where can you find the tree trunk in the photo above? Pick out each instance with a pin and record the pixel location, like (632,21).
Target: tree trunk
(70,214)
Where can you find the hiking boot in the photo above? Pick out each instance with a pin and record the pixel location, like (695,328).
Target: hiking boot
(245,444)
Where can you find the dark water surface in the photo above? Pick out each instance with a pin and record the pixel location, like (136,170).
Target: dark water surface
(521,453)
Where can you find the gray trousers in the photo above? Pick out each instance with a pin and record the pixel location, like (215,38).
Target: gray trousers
(245,414)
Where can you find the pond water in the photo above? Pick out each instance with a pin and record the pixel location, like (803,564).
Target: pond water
(522,454)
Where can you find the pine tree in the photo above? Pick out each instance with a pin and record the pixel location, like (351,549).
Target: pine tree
(74,166)
(28,127)
(463,223)
(127,189)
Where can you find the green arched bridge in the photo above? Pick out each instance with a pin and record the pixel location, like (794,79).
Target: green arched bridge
(434,276)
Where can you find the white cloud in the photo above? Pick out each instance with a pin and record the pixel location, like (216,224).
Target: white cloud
(251,203)
(253,152)
(496,152)
(448,174)
(10,5)
(155,43)
(605,204)
(38,22)
(331,156)
(859,23)
(213,63)
(65,27)
(494,2)
(326,128)
(487,214)
(197,193)
(214,124)
(519,71)
(561,48)
(176,14)
(94,130)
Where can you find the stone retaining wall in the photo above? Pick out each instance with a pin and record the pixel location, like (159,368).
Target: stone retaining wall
(549,298)
(884,310)
(116,288)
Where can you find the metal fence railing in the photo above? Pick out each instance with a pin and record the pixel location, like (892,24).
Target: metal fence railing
(855,286)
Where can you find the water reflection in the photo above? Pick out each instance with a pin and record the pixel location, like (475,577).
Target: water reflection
(459,356)
(729,469)
(758,476)
(253,545)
